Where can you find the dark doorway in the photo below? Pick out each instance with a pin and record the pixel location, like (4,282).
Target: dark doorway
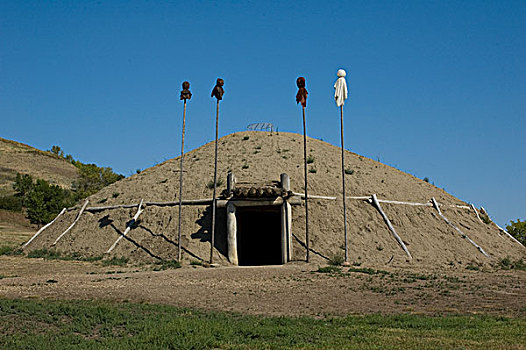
(259,235)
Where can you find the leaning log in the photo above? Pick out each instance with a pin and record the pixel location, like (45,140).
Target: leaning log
(435,204)
(44,227)
(130,224)
(376,204)
(74,222)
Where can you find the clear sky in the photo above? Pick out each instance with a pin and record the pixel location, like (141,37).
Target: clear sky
(437,88)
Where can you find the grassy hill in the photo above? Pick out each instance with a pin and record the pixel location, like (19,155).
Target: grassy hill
(16,157)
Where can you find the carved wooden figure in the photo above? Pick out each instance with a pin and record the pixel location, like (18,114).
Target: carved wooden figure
(301,96)
(218,91)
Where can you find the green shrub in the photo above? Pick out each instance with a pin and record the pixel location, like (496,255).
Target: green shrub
(517,230)
(336,260)
(122,261)
(9,250)
(11,203)
(210,184)
(485,218)
(507,264)
(349,171)
(310,159)
(246,138)
(329,269)
(167,264)
(472,267)
(312,170)
(44,254)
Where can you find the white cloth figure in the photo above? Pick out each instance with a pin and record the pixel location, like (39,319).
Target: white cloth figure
(340,88)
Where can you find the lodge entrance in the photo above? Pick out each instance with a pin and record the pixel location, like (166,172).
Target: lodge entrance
(259,240)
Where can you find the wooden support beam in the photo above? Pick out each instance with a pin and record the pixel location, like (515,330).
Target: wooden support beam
(73,224)
(376,204)
(230,183)
(44,227)
(183,202)
(435,204)
(508,234)
(132,222)
(311,196)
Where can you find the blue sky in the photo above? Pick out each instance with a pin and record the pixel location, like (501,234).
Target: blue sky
(437,88)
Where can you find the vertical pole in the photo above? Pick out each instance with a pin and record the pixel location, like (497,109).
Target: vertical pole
(181,187)
(214,203)
(343,190)
(306,195)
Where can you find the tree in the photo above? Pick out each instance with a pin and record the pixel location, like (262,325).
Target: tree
(93,178)
(23,185)
(58,151)
(42,200)
(517,230)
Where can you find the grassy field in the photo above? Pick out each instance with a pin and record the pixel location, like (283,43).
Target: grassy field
(40,324)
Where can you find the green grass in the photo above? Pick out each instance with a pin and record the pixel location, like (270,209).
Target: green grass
(329,269)
(166,264)
(50,254)
(9,250)
(367,271)
(121,261)
(39,324)
(508,264)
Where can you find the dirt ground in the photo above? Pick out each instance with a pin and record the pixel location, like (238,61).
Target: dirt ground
(294,289)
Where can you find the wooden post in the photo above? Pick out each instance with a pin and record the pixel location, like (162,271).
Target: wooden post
(181,186)
(346,262)
(286,217)
(230,183)
(393,231)
(306,193)
(74,222)
(285,181)
(212,236)
(231,233)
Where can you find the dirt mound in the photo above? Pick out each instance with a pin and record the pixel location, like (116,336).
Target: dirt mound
(17,157)
(258,158)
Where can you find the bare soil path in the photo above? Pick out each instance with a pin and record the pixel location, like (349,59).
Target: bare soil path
(294,289)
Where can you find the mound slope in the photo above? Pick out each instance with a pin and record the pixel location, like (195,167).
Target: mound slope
(258,158)
(16,157)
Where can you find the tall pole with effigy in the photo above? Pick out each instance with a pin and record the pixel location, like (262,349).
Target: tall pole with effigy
(340,95)
(301,97)
(185,95)
(217,92)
